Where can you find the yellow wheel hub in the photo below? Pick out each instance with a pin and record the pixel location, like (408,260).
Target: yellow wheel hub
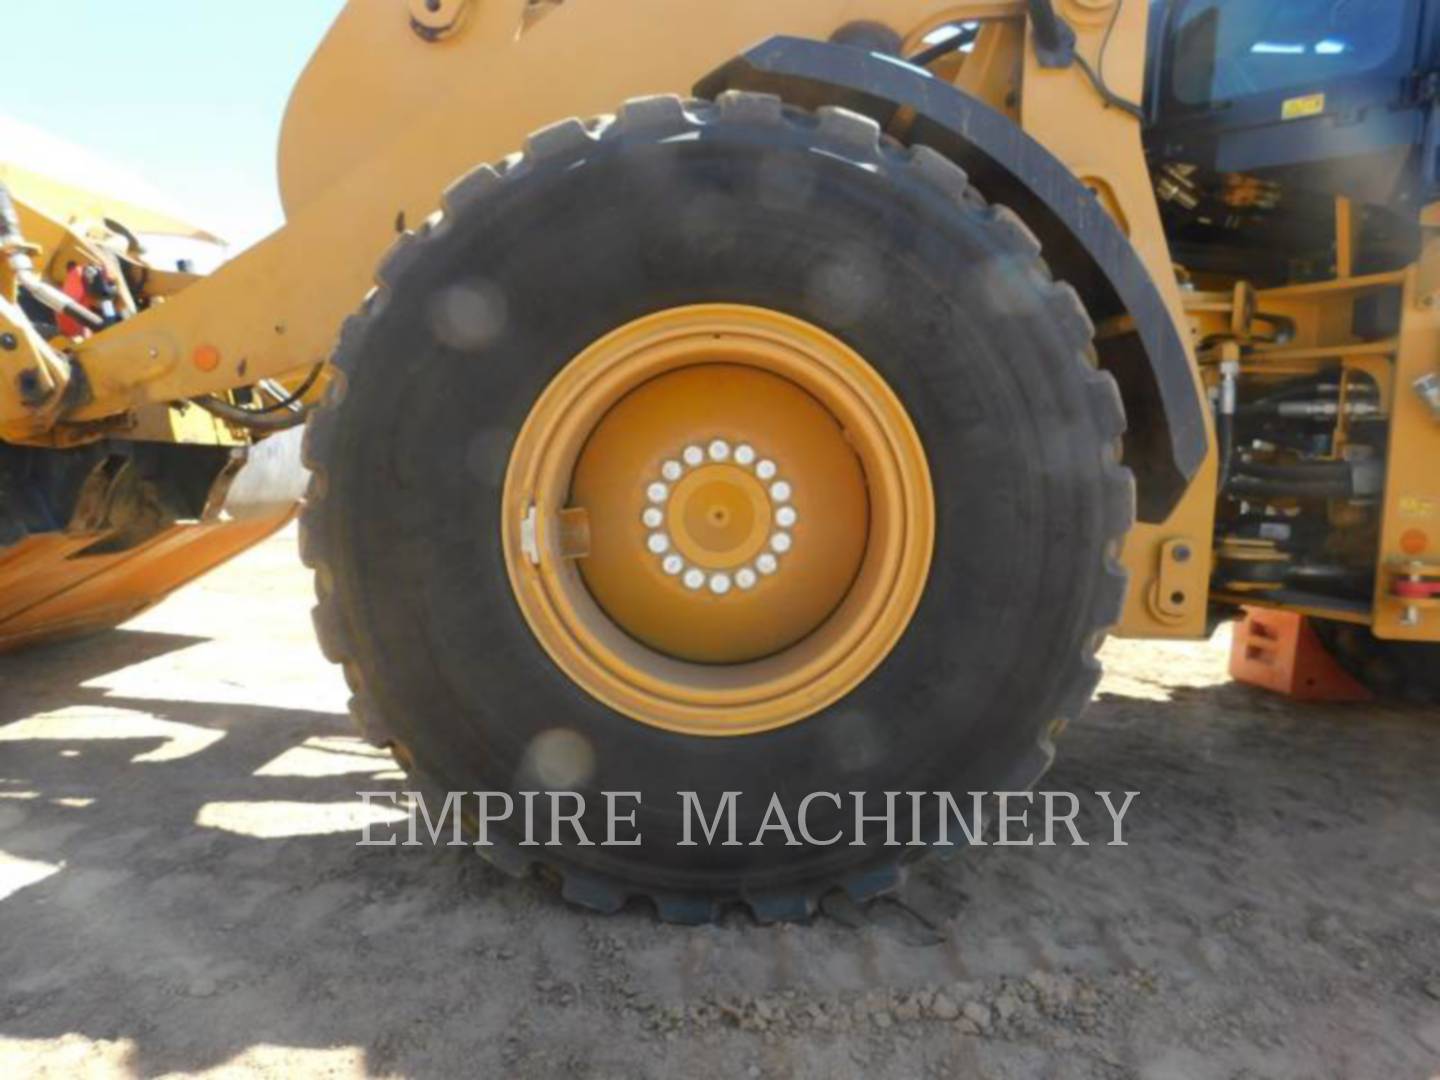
(720,515)
(719,519)
(740,519)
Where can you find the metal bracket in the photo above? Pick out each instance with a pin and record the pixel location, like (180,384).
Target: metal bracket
(1415,584)
(1180,583)
(33,377)
(1054,38)
(435,20)
(530,535)
(1428,387)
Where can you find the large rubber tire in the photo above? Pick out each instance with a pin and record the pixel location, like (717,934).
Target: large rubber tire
(743,201)
(1407,671)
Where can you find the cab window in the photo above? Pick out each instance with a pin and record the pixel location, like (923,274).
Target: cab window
(1226,50)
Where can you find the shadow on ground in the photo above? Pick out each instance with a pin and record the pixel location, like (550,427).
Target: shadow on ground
(185,891)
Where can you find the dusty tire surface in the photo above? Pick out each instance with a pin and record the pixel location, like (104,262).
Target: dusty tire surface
(746,201)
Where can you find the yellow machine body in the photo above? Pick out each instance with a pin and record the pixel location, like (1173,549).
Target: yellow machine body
(406,96)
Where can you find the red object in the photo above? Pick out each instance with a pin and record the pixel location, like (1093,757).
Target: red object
(1417,590)
(1280,651)
(75,289)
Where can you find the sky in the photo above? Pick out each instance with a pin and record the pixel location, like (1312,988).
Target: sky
(186,94)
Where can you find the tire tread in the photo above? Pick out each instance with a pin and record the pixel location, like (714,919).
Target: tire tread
(666,116)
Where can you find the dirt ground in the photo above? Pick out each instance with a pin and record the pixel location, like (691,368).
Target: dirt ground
(180,892)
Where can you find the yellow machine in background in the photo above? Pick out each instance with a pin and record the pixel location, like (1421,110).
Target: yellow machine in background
(807,426)
(95,530)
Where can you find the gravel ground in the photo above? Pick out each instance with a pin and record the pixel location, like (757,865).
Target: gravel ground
(180,892)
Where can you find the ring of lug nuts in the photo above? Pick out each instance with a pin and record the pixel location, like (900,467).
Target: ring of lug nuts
(783,514)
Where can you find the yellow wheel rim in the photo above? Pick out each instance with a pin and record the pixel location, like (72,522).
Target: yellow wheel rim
(718,520)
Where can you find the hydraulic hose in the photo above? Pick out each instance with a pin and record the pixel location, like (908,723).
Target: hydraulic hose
(294,396)
(1300,473)
(1049,34)
(1320,488)
(25,273)
(254,421)
(1225,435)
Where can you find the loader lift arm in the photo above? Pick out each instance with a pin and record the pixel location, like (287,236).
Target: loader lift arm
(266,313)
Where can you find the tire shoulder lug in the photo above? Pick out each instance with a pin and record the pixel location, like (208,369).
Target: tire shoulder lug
(658,113)
(746,107)
(565,138)
(940,171)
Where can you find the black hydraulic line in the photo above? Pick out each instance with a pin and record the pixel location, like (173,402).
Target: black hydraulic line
(1326,391)
(296,395)
(1307,489)
(1097,77)
(1051,34)
(1327,572)
(1114,100)
(1225,433)
(1055,48)
(1316,470)
(1321,479)
(254,421)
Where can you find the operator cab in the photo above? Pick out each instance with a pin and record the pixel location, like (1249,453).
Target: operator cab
(1261,113)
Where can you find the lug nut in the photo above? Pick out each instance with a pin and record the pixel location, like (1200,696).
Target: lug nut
(659,542)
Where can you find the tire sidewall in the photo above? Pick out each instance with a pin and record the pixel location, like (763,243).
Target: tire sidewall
(954,312)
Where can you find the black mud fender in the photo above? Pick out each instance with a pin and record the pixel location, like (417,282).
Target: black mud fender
(1167,442)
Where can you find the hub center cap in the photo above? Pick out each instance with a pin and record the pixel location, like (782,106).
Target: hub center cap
(727,513)
(719,517)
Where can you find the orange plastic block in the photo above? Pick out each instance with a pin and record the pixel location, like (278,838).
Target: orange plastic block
(1279,651)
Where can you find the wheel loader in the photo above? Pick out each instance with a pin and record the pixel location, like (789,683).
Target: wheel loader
(768,398)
